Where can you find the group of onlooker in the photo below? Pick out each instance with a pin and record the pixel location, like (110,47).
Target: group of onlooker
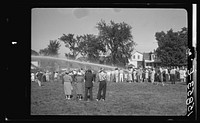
(41,76)
(77,79)
(88,77)
(158,74)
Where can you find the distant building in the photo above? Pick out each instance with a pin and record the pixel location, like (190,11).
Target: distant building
(35,63)
(34,68)
(136,59)
(151,60)
(139,59)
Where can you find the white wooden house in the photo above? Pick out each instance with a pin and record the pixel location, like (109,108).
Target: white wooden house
(136,59)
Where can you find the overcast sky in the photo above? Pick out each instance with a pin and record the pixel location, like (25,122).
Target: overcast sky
(51,23)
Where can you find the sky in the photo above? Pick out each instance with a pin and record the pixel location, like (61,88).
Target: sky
(51,23)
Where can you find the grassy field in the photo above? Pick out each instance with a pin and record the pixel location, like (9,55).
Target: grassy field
(121,99)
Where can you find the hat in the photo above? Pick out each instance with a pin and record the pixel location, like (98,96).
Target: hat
(101,70)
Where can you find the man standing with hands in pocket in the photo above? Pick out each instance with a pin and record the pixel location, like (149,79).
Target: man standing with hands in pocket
(89,78)
(102,85)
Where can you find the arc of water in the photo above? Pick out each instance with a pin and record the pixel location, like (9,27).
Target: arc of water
(64,59)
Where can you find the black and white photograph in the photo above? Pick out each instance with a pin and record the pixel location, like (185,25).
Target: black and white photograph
(109,61)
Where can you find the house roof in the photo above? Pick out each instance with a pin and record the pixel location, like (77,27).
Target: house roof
(146,56)
(34,67)
(136,51)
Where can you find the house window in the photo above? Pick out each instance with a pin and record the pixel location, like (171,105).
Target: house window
(133,56)
(138,57)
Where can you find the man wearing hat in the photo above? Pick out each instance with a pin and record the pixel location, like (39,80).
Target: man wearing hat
(102,85)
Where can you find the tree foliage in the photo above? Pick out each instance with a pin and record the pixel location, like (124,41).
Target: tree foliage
(114,39)
(44,52)
(117,39)
(52,48)
(72,43)
(87,45)
(91,47)
(172,47)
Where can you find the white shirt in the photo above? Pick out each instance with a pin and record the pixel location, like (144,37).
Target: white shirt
(121,71)
(146,73)
(102,76)
(32,76)
(116,72)
(166,71)
(161,70)
(172,71)
(55,75)
(153,72)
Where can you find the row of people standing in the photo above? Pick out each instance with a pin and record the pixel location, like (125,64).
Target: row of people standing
(38,77)
(161,74)
(87,78)
(41,76)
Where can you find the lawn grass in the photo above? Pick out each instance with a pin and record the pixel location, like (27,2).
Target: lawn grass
(121,99)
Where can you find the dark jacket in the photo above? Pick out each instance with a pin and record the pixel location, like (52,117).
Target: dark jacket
(89,77)
(39,76)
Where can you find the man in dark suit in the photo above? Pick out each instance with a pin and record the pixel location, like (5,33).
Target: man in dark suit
(89,78)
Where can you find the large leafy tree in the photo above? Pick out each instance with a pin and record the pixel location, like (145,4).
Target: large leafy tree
(52,48)
(72,43)
(172,47)
(87,45)
(44,52)
(117,39)
(91,46)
